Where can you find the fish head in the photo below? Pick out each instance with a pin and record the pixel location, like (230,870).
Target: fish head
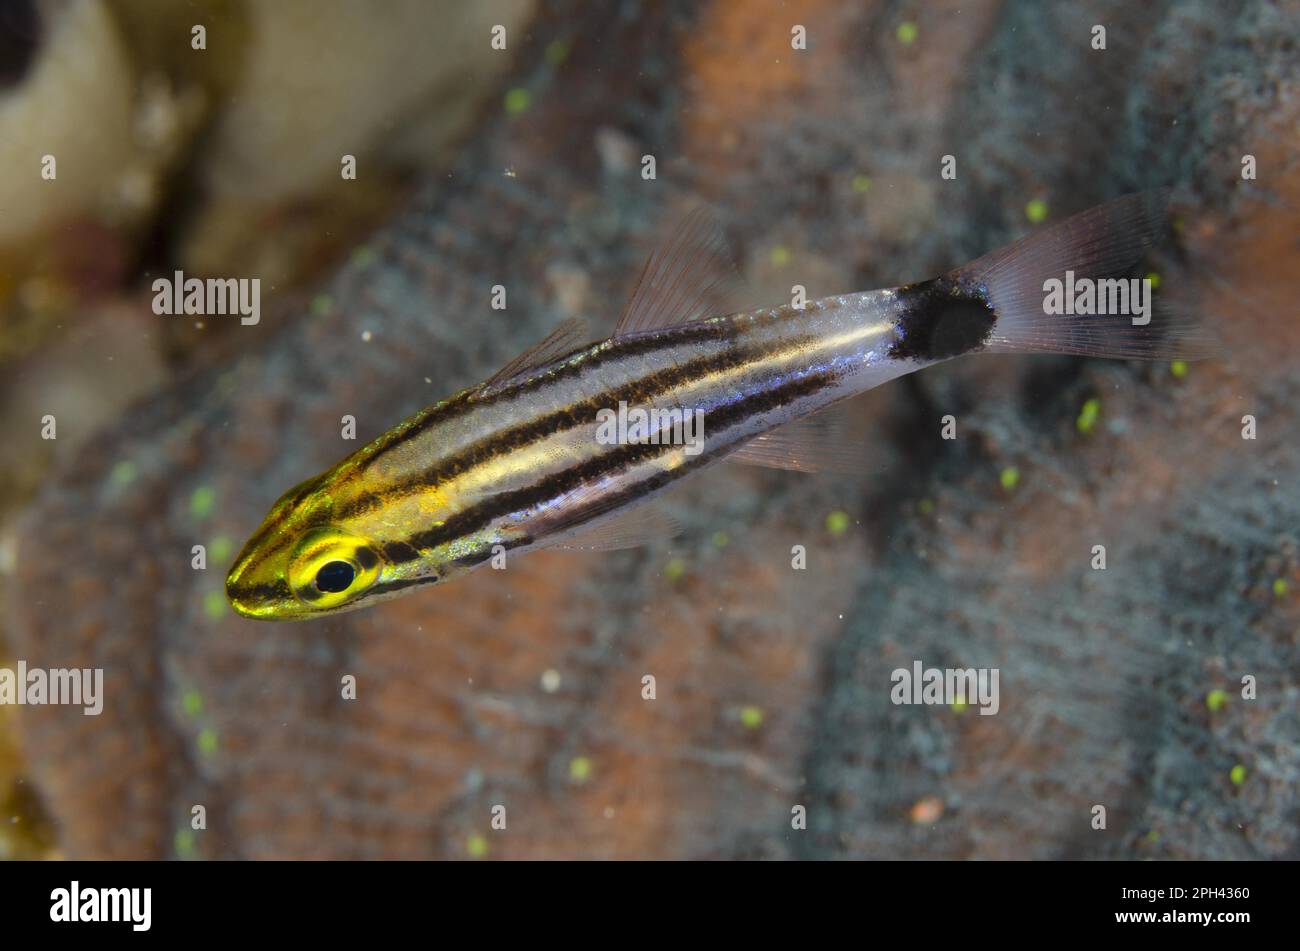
(304,561)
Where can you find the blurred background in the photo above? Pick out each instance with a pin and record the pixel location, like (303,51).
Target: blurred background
(218,152)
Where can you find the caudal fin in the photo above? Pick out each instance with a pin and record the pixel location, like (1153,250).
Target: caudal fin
(1077,265)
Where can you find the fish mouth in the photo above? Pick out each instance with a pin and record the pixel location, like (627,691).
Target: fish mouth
(260,602)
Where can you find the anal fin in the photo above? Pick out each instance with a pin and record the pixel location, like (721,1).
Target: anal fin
(812,444)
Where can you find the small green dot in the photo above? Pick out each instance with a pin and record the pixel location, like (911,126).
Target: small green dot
(1153,837)
(124,472)
(1216,700)
(202,502)
(183,843)
(925,506)
(214,605)
(476,846)
(780,256)
(1280,587)
(207,742)
(721,539)
(1010,478)
(518,100)
(322,305)
(837,523)
(1088,415)
(192,703)
(675,568)
(958,706)
(364,256)
(1178,368)
(1237,775)
(1036,211)
(861,183)
(1153,277)
(907,32)
(580,769)
(751,717)
(557,51)
(220,549)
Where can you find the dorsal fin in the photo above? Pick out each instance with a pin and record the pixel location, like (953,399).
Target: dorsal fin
(690,275)
(568,335)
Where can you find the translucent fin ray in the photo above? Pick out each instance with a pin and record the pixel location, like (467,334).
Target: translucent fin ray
(690,275)
(567,336)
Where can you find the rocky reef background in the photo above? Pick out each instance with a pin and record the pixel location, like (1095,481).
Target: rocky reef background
(523,688)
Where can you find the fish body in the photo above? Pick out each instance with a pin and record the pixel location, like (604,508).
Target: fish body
(525,460)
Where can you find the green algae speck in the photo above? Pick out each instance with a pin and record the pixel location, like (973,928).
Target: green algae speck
(861,183)
(751,717)
(1009,478)
(1280,587)
(837,523)
(220,549)
(476,846)
(214,604)
(557,52)
(322,305)
(579,769)
(1036,211)
(1216,700)
(1088,415)
(907,32)
(1237,775)
(183,843)
(1178,368)
(721,539)
(518,101)
(780,256)
(207,742)
(192,703)
(202,502)
(674,570)
(124,473)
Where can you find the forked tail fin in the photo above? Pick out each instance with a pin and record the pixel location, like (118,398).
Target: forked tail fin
(1042,287)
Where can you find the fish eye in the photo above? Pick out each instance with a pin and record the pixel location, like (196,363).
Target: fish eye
(331,567)
(335,576)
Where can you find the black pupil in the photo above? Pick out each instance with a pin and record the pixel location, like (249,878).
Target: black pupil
(334,577)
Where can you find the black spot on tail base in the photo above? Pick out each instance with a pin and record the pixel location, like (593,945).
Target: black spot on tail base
(942,318)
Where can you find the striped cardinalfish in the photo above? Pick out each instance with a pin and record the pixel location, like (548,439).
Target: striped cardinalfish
(561,446)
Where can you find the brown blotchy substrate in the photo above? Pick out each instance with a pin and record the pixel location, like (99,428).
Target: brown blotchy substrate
(1103,674)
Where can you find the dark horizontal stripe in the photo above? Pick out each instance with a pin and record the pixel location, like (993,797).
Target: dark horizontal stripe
(618,460)
(641,390)
(264,592)
(398,585)
(597,355)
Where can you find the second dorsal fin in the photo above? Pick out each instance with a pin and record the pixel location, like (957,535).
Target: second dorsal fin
(690,275)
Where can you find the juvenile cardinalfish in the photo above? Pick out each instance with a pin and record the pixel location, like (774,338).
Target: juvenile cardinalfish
(520,461)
